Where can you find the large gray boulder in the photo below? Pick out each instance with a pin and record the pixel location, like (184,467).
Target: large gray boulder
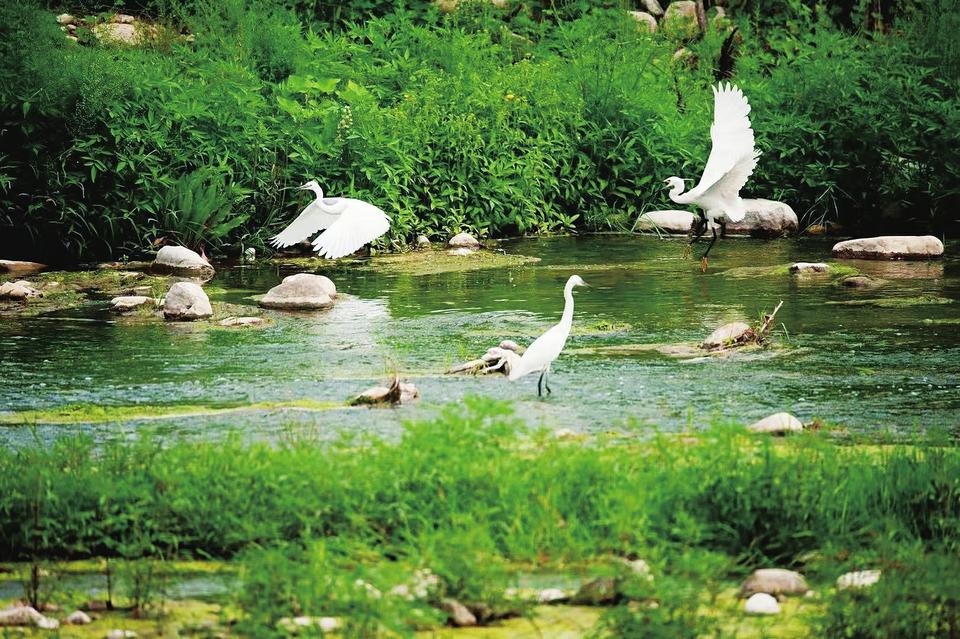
(774,581)
(186,301)
(891,247)
(668,221)
(27,616)
(765,218)
(179,260)
(777,424)
(300,292)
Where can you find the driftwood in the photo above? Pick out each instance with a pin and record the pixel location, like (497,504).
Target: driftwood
(497,359)
(397,393)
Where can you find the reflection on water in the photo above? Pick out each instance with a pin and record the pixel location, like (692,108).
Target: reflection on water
(865,367)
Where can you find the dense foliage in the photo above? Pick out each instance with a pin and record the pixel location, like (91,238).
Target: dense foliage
(543,117)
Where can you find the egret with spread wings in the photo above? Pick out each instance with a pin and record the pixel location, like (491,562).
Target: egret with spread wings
(347,224)
(728,168)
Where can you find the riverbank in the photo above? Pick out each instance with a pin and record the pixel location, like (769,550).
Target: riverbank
(318,530)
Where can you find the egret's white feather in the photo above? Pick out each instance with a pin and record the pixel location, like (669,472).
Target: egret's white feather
(730,133)
(347,224)
(312,219)
(360,223)
(727,188)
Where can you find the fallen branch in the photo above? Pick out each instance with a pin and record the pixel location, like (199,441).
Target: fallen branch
(767,323)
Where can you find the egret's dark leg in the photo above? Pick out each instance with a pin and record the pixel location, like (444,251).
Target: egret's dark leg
(703,260)
(540,384)
(546,381)
(700,229)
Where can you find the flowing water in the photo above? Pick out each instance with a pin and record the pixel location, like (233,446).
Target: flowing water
(870,360)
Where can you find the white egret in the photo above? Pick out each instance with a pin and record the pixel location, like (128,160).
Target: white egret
(731,162)
(547,347)
(348,224)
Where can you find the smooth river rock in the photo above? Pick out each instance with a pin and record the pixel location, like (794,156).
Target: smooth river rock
(186,301)
(653,7)
(232,322)
(774,581)
(727,335)
(128,303)
(463,240)
(301,292)
(19,290)
(644,19)
(18,266)
(680,20)
(668,221)
(78,618)
(761,604)
(121,634)
(463,251)
(777,424)
(891,247)
(458,614)
(765,218)
(27,616)
(858,579)
(179,260)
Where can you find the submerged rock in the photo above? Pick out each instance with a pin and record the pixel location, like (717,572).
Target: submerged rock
(17,266)
(78,618)
(644,19)
(777,424)
(19,290)
(186,301)
(861,281)
(765,218)
(463,240)
(458,614)
(809,267)
(761,604)
(27,616)
(891,247)
(669,221)
(303,291)
(128,303)
(774,581)
(232,322)
(121,634)
(461,252)
(397,393)
(179,260)
(727,335)
(858,579)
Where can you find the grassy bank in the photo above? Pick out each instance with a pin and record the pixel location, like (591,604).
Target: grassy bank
(472,495)
(542,117)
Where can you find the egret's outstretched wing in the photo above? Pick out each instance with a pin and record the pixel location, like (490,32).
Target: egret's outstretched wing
(728,187)
(359,224)
(311,219)
(731,135)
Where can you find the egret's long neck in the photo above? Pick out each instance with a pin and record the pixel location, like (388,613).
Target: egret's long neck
(675,194)
(567,317)
(317,191)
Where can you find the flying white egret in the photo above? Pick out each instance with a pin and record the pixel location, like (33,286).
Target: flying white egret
(348,224)
(547,347)
(728,168)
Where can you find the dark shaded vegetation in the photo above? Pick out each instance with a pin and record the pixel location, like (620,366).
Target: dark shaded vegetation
(544,117)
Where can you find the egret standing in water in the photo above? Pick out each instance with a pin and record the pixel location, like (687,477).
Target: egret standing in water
(348,224)
(547,347)
(728,168)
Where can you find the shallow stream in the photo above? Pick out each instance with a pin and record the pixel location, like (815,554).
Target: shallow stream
(870,360)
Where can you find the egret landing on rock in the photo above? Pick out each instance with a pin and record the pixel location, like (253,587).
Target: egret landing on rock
(347,224)
(728,168)
(547,347)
